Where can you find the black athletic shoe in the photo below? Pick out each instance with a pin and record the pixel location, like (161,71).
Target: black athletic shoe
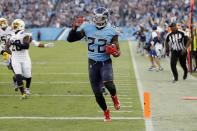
(185,76)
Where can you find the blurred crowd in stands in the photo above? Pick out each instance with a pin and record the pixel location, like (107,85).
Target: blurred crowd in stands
(61,13)
(35,13)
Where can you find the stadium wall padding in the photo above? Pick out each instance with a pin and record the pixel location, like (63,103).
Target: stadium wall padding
(50,34)
(46,33)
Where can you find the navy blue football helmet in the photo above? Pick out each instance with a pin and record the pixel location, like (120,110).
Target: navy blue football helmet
(101,17)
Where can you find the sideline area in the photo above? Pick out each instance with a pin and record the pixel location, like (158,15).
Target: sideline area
(168,111)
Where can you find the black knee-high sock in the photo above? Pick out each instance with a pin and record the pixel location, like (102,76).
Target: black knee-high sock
(20,84)
(111,87)
(28,82)
(21,88)
(101,101)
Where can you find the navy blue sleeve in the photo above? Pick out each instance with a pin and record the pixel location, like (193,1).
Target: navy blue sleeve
(74,36)
(22,46)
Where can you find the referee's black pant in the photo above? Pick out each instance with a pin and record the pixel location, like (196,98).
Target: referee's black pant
(175,56)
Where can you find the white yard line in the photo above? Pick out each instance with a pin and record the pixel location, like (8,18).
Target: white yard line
(124,92)
(122,106)
(123,84)
(57,95)
(55,73)
(67,73)
(148,122)
(57,82)
(122,102)
(60,82)
(71,118)
(123,89)
(120,98)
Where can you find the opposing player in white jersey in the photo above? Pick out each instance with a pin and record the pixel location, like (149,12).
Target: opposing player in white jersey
(5,33)
(19,45)
(21,63)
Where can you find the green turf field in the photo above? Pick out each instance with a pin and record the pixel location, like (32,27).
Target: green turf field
(60,88)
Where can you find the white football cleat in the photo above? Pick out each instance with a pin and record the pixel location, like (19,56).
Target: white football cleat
(27,92)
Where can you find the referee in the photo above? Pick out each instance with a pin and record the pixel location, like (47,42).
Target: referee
(179,42)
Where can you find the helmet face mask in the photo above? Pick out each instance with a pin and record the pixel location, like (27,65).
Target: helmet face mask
(3,23)
(18,24)
(101,17)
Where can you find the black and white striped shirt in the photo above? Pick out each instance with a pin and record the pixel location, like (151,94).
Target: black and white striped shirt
(177,40)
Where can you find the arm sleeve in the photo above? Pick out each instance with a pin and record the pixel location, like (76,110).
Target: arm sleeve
(74,36)
(22,46)
(35,43)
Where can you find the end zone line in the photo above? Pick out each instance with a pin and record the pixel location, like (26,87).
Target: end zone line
(148,122)
(72,118)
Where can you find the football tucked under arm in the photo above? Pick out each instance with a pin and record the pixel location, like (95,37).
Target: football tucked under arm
(113,48)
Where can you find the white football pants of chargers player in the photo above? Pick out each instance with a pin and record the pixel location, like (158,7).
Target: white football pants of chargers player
(21,62)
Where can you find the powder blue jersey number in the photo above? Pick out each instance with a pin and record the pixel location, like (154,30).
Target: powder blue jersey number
(97,40)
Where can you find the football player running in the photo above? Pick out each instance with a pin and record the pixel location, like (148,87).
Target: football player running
(5,33)
(19,45)
(102,41)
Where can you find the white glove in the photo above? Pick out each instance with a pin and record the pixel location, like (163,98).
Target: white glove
(49,45)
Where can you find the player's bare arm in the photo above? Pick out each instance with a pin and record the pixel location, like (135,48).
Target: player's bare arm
(42,45)
(27,39)
(115,41)
(7,47)
(113,48)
